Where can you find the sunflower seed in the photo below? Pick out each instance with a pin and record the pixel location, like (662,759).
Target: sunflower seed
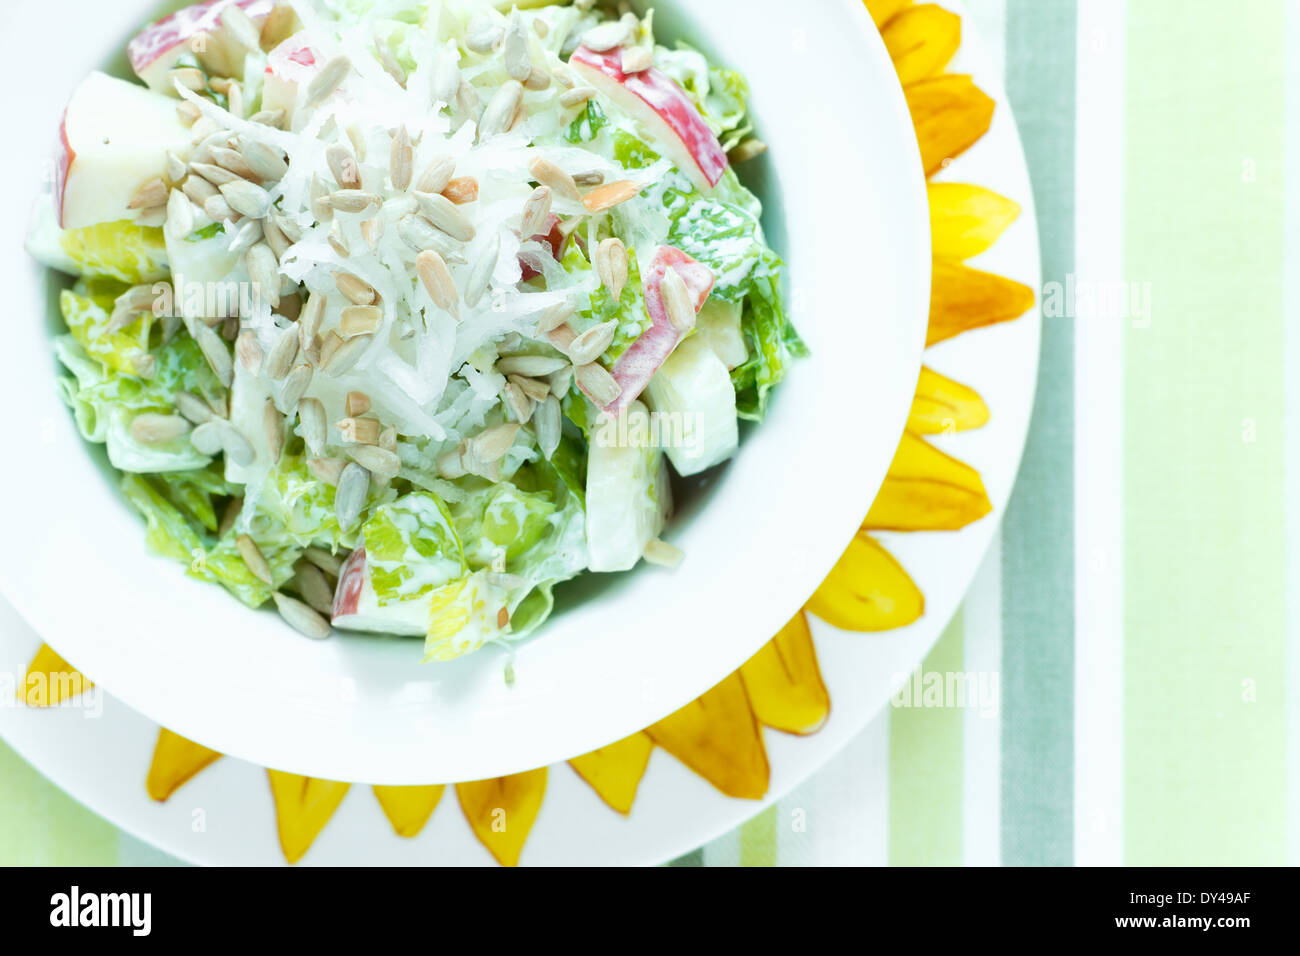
(187,113)
(275,238)
(437,280)
(360,320)
(461,190)
(637,60)
(311,416)
(338,242)
(610,195)
(562,337)
(491,444)
(355,289)
(677,300)
(549,174)
(353,200)
(597,383)
(343,166)
(467,100)
(233,160)
(283,351)
(356,403)
(450,464)
(241,28)
(180,214)
(418,233)
(192,407)
(216,175)
(483,34)
(218,210)
(309,581)
(254,559)
(537,208)
(747,150)
(554,317)
(151,428)
(277,27)
(309,319)
(538,79)
(607,36)
(292,231)
(295,386)
(328,470)
(520,405)
(611,266)
(188,77)
(246,198)
(660,552)
(442,212)
(246,233)
(265,162)
(436,175)
(577,96)
(300,617)
(248,351)
(272,118)
(591,345)
(380,462)
(320,206)
(531,366)
(388,439)
(500,110)
(401,159)
(350,495)
(327,80)
(323,560)
(264,272)
(546,425)
(346,355)
(372,230)
(219,435)
(591,177)
(198,189)
(514,51)
(273,428)
(151,193)
(359,431)
(215,352)
(480,274)
(533,388)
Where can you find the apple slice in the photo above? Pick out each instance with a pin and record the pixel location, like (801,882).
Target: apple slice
(198,31)
(636,366)
(288,67)
(658,104)
(113,140)
(629,496)
(554,237)
(693,391)
(356,606)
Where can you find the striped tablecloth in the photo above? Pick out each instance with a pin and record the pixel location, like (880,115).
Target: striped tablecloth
(1140,608)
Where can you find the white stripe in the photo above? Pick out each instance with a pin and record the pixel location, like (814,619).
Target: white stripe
(981,825)
(1098,443)
(989,19)
(1291,414)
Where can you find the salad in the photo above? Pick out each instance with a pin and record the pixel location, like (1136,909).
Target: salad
(398,314)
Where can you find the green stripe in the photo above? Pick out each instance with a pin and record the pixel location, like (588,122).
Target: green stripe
(40,825)
(694,858)
(925,766)
(1038,532)
(1203,436)
(758,839)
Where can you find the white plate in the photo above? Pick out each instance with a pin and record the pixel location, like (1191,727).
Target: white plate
(847,207)
(103,762)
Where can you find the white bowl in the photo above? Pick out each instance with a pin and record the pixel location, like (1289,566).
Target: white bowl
(846,206)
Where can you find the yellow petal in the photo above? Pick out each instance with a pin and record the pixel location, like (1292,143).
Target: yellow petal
(867,590)
(408,808)
(927,490)
(784,682)
(966,220)
(962,298)
(921,40)
(175,760)
(501,811)
(303,805)
(615,771)
(718,737)
(50,679)
(882,11)
(942,406)
(950,113)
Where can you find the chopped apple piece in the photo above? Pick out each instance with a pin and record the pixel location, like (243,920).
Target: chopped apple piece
(693,395)
(408,808)
(628,494)
(719,324)
(501,811)
(357,607)
(113,140)
(197,31)
(638,364)
(175,761)
(662,108)
(288,67)
(717,736)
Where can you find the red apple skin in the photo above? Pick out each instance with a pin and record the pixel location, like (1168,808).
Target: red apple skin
(64,154)
(184,27)
(352,578)
(665,102)
(553,237)
(636,366)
